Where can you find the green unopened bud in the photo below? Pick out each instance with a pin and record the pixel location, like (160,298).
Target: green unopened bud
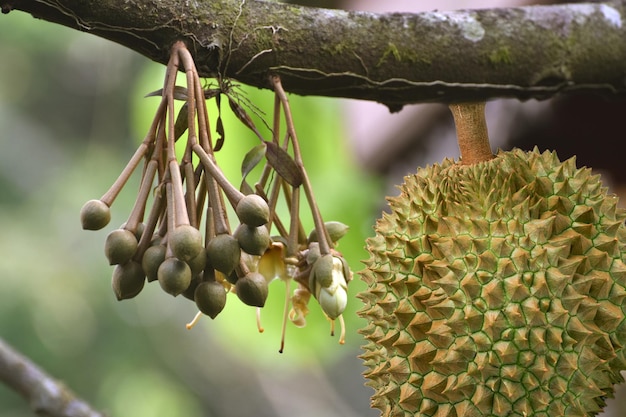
(152,259)
(128,280)
(185,241)
(253,210)
(210,297)
(336,230)
(224,253)
(120,246)
(198,263)
(174,276)
(333,302)
(347,273)
(95,215)
(322,272)
(232,277)
(313,253)
(252,289)
(331,295)
(157,240)
(253,240)
(191,289)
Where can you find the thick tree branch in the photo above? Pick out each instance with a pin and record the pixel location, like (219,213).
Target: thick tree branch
(46,396)
(397,58)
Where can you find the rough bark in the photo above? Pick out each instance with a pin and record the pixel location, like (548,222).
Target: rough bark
(46,396)
(395,58)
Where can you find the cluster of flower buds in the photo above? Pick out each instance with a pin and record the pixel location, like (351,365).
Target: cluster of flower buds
(185,241)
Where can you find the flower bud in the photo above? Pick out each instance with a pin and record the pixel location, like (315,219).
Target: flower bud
(95,215)
(127,280)
(253,240)
(224,253)
(198,263)
(191,289)
(331,294)
(120,246)
(333,302)
(185,241)
(252,289)
(336,230)
(313,253)
(253,210)
(210,298)
(174,276)
(232,278)
(152,259)
(322,272)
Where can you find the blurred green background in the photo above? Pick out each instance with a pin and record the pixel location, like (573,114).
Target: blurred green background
(71,114)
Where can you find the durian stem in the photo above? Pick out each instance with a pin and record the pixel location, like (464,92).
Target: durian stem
(324,241)
(471,132)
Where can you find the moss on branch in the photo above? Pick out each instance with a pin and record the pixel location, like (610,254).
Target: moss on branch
(393,58)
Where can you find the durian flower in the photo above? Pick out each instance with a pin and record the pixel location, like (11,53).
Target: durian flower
(328,282)
(272,263)
(300,309)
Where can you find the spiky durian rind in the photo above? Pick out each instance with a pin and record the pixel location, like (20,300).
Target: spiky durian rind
(496,289)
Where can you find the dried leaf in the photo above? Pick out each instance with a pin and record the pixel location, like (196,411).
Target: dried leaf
(283,164)
(219,126)
(180,93)
(182,122)
(242,115)
(211,92)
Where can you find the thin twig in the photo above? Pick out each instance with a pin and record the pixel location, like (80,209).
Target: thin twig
(46,396)
(322,234)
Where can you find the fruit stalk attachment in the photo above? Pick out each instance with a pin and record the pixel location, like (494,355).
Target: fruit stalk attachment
(471,132)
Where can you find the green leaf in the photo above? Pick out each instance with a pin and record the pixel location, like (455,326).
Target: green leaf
(252,159)
(283,164)
(246,188)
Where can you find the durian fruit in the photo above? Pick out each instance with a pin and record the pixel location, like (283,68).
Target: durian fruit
(496,289)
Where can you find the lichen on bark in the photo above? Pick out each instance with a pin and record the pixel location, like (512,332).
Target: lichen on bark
(393,58)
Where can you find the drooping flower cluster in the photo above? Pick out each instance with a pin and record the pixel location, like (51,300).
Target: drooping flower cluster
(185,241)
